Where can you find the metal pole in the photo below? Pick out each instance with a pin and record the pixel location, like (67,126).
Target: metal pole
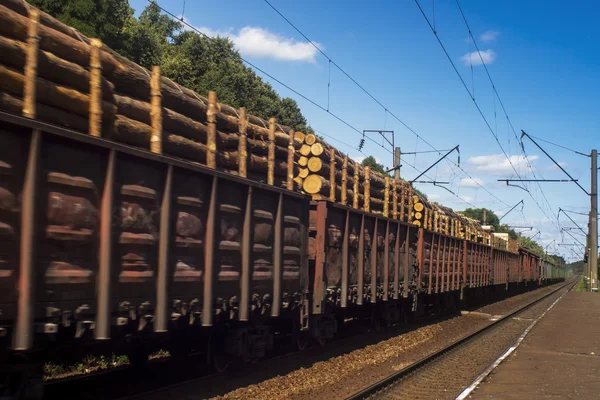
(397,163)
(593,257)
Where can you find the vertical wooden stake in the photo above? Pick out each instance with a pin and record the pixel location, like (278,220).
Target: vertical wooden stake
(355,187)
(367,194)
(271,155)
(290,161)
(344,198)
(402,201)
(386,198)
(211,139)
(410,206)
(242,151)
(332,175)
(155,112)
(31,63)
(95,89)
(395,199)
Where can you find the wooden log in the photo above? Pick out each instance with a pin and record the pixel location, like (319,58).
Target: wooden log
(14,105)
(95,89)
(367,192)
(290,160)
(51,94)
(315,184)
(173,122)
(314,164)
(155,112)
(243,167)
(134,80)
(303,161)
(310,139)
(299,136)
(51,67)
(316,149)
(303,172)
(138,134)
(305,150)
(331,175)
(211,140)
(271,155)
(344,198)
(15,25)
(31,64)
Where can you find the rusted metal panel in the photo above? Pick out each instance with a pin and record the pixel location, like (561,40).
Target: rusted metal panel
(397,262)
(278,258)
(386,261)
(438,263)
(407,246)
(420,259)
(361,261)
(247,259)
(374,251)
(465,257)
(319,275)
(345,259)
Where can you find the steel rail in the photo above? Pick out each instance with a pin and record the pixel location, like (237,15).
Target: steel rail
(394,378)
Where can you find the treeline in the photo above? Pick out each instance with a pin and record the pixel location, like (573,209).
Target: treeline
(186,57)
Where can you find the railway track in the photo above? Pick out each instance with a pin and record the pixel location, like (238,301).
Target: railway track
(444,373)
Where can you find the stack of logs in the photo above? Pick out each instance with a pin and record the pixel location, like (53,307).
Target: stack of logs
(85,86)
(77,82)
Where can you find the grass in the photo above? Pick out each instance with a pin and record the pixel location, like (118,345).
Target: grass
(92,364)
(581,287)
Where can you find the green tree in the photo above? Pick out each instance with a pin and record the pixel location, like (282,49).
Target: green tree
(104,19)
(370,161)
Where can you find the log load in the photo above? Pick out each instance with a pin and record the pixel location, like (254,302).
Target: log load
(186,124)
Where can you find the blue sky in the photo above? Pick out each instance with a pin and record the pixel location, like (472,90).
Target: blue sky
(542,56)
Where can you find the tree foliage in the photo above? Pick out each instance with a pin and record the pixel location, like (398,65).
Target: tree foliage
(188,58)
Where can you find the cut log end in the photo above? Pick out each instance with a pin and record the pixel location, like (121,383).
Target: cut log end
(305,150)
(316,149)
(312,184)
(310,139)
(315,164)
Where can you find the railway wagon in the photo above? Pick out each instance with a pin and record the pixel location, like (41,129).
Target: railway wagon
(367,265)
(107,245)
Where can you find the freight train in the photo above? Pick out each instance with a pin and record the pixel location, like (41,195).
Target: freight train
(113,247)
(124,238)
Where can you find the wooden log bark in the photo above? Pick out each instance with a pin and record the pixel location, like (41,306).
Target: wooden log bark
(14,25)
(14,105)
(51,67)
(95,126)
(31,65)
(51,94)
(172,121)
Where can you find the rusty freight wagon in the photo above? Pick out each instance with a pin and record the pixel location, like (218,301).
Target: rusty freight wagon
(136,214)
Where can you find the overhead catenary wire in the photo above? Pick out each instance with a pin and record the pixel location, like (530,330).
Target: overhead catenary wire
(314,103)
(386,109)
(494,134)
(497,95)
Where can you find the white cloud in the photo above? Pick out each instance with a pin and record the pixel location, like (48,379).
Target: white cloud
(470,182)
(498,164)
(489,36)
(488,57)
(259,42)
